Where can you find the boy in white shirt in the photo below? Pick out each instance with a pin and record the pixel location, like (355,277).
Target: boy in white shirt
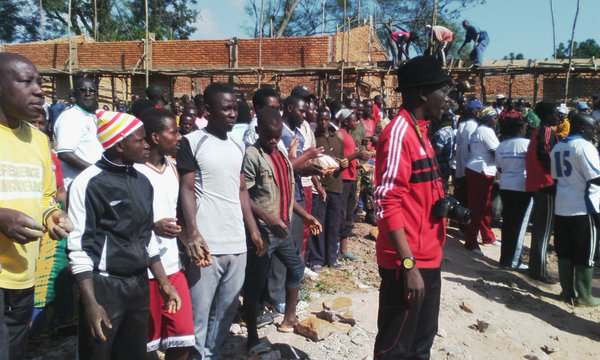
(173,333)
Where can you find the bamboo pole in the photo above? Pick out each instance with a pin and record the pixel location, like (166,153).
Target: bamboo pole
(571,52)
(260,42)
(70,63)
(323,20)
(553,30)
(41,20)
(433,23)
(95,20)
(146,61)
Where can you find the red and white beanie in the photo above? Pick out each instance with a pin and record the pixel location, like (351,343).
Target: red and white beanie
(115,126)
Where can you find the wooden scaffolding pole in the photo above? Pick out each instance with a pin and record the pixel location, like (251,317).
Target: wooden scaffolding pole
(571,53)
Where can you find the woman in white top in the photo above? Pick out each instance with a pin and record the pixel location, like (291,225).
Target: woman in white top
(517,204)
(480,171)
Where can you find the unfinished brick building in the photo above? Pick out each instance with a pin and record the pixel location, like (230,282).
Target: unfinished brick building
(355,58)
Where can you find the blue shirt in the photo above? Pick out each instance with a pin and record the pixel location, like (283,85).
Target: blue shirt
(287,136)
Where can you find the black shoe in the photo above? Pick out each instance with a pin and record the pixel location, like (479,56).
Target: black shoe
(267,317)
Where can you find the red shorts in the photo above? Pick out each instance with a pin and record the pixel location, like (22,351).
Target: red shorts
(170,330)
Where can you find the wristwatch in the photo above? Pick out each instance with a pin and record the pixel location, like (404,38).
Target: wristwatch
(408,262)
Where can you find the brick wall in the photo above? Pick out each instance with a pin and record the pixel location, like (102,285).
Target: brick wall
(356,47)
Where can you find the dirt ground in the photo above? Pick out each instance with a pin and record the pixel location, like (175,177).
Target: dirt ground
(486,312)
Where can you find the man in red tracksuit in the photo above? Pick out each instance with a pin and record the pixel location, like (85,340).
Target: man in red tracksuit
(409,245)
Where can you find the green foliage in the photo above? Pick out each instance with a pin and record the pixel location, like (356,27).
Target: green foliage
(512,56)
(586,49)
(117,19)
(18,21)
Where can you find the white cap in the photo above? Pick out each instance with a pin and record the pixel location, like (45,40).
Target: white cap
(500,96)
(563,109)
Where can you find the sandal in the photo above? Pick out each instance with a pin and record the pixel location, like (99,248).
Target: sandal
(259,349)
(285,329)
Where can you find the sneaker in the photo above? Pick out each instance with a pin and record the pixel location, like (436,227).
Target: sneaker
(267,317)
(311,274)
(315,269)
(348,256)
(522,267)
(335,265)
(279,308)
(477,251)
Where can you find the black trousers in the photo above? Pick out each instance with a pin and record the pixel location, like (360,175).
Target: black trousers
(406,329)
(348,203)
(127,304)
(543,224)
(17,308)
(515,219)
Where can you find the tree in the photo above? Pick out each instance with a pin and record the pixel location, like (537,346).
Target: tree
(117,19)
(18,22)
(586,49)
(512,56)
(294,17)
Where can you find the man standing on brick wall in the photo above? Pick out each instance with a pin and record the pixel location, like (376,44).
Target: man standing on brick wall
(479,38)
(77,145)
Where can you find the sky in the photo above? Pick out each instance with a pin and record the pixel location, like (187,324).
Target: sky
(518,26)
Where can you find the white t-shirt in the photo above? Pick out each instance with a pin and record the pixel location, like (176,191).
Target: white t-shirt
(309,141)
(217,164)
(575,162)
(510,158)
(165,182)
(483,142)
(463,135)
(75,131)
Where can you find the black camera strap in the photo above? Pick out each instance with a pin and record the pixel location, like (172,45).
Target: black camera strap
(432,160)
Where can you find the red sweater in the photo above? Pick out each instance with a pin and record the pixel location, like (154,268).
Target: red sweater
(537,161)
(407,188)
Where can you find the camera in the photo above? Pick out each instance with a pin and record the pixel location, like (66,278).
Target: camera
(449,207)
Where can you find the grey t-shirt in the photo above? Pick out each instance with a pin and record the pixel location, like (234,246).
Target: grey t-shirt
(217,164)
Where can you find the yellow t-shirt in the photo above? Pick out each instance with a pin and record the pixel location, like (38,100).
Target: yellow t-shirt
(27,184)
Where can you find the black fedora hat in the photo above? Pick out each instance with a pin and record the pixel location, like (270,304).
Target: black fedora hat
(421,71)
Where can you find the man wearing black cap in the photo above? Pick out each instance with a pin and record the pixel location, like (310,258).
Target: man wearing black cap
(409,245)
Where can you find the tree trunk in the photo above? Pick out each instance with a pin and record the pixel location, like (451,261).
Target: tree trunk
(290,6)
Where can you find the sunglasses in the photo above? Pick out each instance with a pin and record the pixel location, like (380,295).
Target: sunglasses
(87,90)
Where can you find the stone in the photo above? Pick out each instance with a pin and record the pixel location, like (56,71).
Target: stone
(313,328)
(235,329)
(374,233)
(464,307)
(358,336)
(339,309)
(342,328)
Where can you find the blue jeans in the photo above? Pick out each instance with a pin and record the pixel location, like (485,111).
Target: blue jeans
(323,248)
(256,271)
(477,53)
(214,291)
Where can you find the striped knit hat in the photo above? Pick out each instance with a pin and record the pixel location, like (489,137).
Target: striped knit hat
(115,126)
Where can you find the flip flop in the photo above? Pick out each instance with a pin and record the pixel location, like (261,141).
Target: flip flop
(260,349)
(285,329)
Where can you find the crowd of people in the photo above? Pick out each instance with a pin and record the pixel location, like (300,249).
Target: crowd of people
(177,208)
